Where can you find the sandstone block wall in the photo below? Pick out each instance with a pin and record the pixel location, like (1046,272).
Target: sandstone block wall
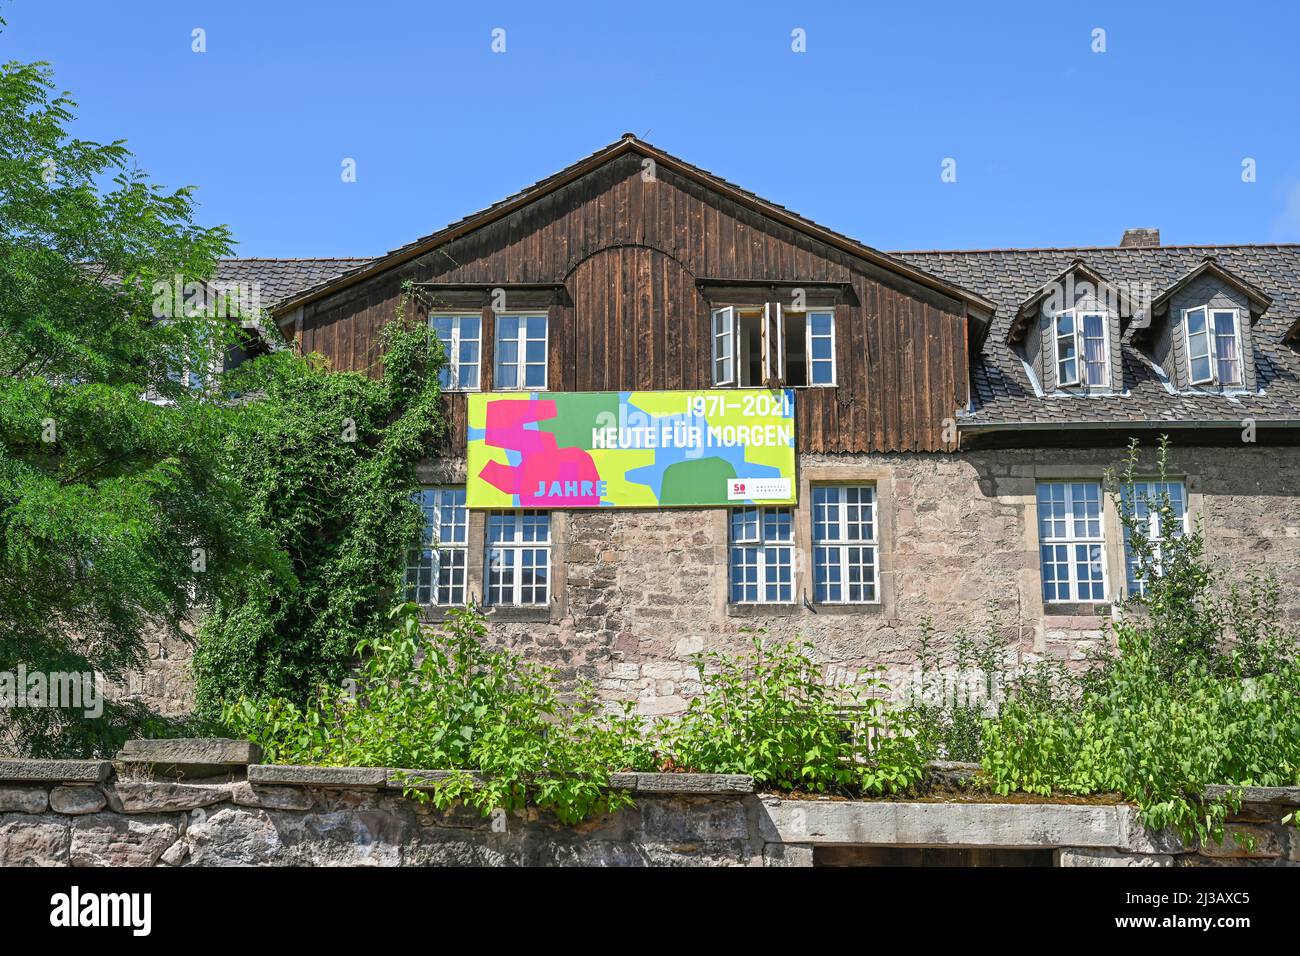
(639,592)
(78,813)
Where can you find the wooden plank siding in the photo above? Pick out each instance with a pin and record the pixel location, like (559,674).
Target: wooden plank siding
(629,253)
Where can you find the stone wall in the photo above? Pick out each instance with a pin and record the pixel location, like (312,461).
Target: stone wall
(638,592)
(647,589)
(83,813)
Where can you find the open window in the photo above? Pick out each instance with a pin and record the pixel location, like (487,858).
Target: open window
(1082,349)
(1213,346)
(769,345)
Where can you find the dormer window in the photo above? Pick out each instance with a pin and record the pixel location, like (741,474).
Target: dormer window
(1213,346)
(1082,349)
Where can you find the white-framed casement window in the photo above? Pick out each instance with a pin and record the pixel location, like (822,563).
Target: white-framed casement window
(1146,501)
(518,558)
(820,325)
(754,346)
(845,551)
(1213,345)
(1082,348)
(435,568)
(762,555)
(521,342)
(462,340)
(1071,541)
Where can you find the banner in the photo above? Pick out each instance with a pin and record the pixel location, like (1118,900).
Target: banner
(722,446)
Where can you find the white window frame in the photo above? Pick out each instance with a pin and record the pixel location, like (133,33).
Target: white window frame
(843,543)
(722,325)
(1209,347)
(773,319)
(808,341)
(1153,488)
(1073,337)
(1082,348)
(437,554)
(1212,333)
(724,329)
(521,362)
(452,348)
(1079,342)
(1072,541)
(759,546)
(510,552)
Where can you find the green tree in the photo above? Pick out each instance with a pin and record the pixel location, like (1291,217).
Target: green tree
(117,515)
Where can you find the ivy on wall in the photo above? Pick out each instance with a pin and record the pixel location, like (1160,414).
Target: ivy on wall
(327,461)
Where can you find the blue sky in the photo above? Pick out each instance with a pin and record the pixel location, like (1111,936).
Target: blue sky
(1055,144)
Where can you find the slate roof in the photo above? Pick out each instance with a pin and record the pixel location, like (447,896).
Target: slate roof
(1003,394)
(281,278)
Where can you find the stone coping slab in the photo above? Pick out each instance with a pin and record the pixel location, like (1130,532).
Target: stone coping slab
(342,778)
(727,784)
(1279,796)
(1000,825)
(703,784)
(402,779)
(22,770)
(216,751)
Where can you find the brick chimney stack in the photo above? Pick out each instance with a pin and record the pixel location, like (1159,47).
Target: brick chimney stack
(1140,239)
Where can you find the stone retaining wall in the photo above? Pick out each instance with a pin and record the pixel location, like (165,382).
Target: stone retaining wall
(91,813)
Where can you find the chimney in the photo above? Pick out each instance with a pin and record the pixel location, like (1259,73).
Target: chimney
(1140,239)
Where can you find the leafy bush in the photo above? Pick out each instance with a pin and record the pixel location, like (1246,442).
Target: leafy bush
(439,699)
(949,704)
(770,715)
(327,462)
(1203,690)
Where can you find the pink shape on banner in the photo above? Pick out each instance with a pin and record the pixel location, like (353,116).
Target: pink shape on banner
(546,476)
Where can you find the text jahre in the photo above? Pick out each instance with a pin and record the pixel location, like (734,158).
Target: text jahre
(570,489)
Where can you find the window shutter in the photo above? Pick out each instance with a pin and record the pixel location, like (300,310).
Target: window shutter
(723,328)
(773,344)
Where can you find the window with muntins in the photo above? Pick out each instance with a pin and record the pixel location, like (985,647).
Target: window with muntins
(762,555)
(462,339)
(1082,348)
(520,352)
(1147,502)
(1071,541)
(435,568)
(518,558)
(756,346)
(845,558)
(1213,346)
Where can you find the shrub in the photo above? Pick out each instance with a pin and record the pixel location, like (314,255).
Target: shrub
(440,699)
(771,715)
(1203,690)
(327,464)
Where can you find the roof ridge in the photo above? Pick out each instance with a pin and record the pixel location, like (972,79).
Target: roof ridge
(1194,245)
(295,258)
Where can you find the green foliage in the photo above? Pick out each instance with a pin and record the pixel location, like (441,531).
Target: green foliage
(1203,690)
(327,461)
(440,699)
(116,514)
(770,715)
(951,702)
